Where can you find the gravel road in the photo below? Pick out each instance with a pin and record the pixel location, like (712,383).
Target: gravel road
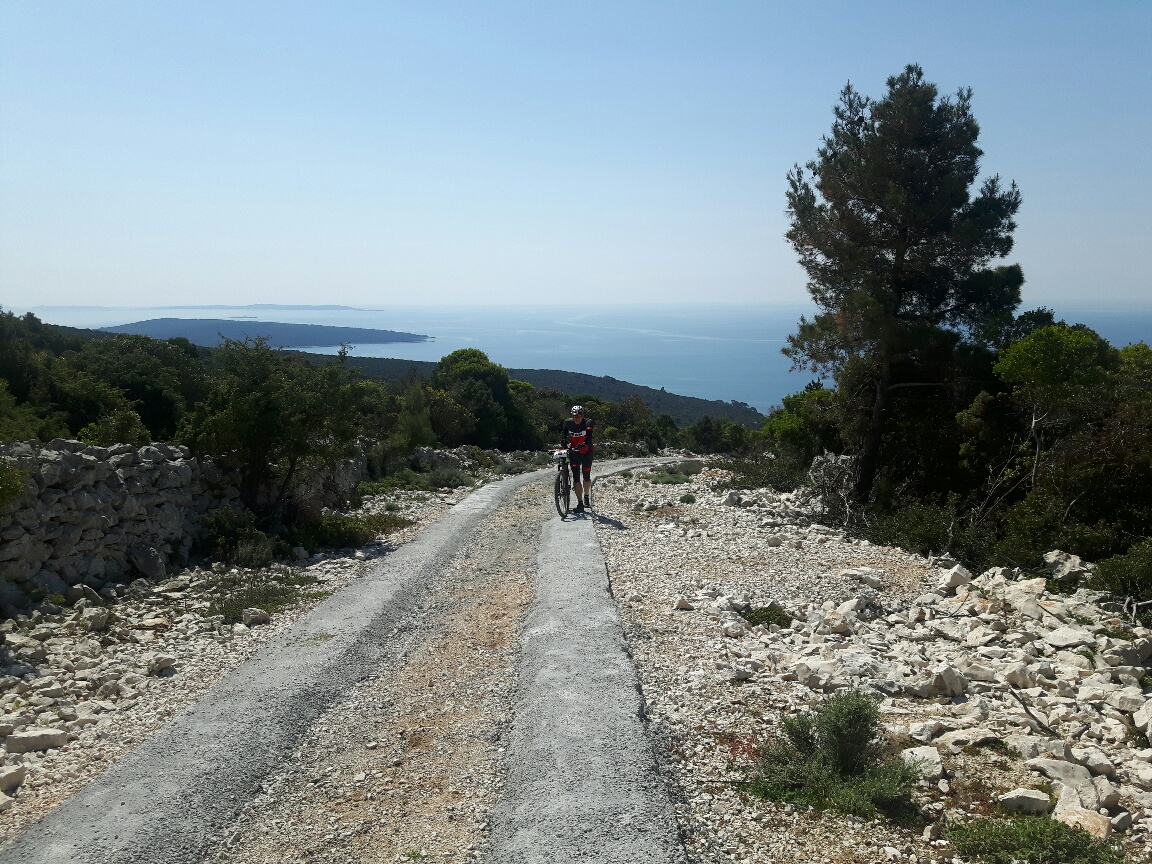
(398,690)
(168,799)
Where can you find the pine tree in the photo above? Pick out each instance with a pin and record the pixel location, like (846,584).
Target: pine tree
(896,248)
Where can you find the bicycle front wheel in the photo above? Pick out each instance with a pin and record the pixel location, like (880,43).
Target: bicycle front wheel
(563,491)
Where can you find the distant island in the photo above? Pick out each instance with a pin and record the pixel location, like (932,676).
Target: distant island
(208,331)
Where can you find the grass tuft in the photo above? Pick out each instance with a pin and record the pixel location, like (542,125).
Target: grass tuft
(339,531)
(272,591)
(1031,839)
(670,478)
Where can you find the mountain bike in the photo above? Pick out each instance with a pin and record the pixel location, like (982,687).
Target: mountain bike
(563,485)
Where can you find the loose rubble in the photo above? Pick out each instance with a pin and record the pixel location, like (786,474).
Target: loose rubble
(1008,695)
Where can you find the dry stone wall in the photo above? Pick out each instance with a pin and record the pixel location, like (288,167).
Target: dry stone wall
(92,516)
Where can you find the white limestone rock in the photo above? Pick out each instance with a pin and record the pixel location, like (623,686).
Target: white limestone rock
(35,738)
(1025,800)
(926,760)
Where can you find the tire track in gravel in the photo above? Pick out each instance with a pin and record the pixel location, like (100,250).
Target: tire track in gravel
(168,800)
(407,765)
(582,781)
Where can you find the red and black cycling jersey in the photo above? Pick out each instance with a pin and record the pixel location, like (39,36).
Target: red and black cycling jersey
(577,436)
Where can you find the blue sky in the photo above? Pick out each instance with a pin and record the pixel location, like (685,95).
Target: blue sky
(373,153)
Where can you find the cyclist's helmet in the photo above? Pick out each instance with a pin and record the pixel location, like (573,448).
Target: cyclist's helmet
(577,409)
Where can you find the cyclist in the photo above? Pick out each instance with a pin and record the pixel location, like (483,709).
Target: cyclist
(576,436)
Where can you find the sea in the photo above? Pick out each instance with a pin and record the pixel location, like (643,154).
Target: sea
(729,352)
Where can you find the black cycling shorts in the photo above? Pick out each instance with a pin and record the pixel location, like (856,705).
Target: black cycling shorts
(580,462)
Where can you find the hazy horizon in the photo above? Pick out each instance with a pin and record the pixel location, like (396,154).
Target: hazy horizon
(447,154)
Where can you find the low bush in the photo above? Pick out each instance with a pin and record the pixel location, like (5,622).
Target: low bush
(931,529)
(687,498)
(231,536)
(122,426)
(339,531)
(1034,839)
(783,471)
(406,478)
(835,758)
(11,483)
(627,474)
(669,478)
(768,615)
(254,549)
(1129,575)
(273,592)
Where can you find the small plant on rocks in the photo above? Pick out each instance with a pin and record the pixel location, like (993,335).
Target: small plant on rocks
(687,498)
(1034,839)
(835,758)
(767,615)
(670,478)
(272,591)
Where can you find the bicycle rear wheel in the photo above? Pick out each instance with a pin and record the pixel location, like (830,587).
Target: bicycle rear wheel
(563,492)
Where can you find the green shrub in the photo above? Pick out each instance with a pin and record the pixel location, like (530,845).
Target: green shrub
(232,536)
(1129,574)
(122,426)
(627,474)
(254,549)
(835,758)
(687,498)
(931,529)
(406,478)
(670,478)
(391,507)
(450,477)
(11,483)
(782,471)
(339,531)
(367,488)
(767,615)
(1034,839)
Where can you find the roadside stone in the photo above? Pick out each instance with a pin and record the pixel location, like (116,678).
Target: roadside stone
(36,738)
(148,560)
(1086,820)
(954,578)
(254,617)
(926,760)
(11,777)
(1026,800)
(94,619)
(1067,773)
(1069,637)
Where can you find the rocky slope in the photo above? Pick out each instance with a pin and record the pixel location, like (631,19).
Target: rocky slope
(1006,694)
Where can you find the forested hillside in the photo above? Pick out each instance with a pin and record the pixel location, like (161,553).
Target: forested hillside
(683,409)
(270,415)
